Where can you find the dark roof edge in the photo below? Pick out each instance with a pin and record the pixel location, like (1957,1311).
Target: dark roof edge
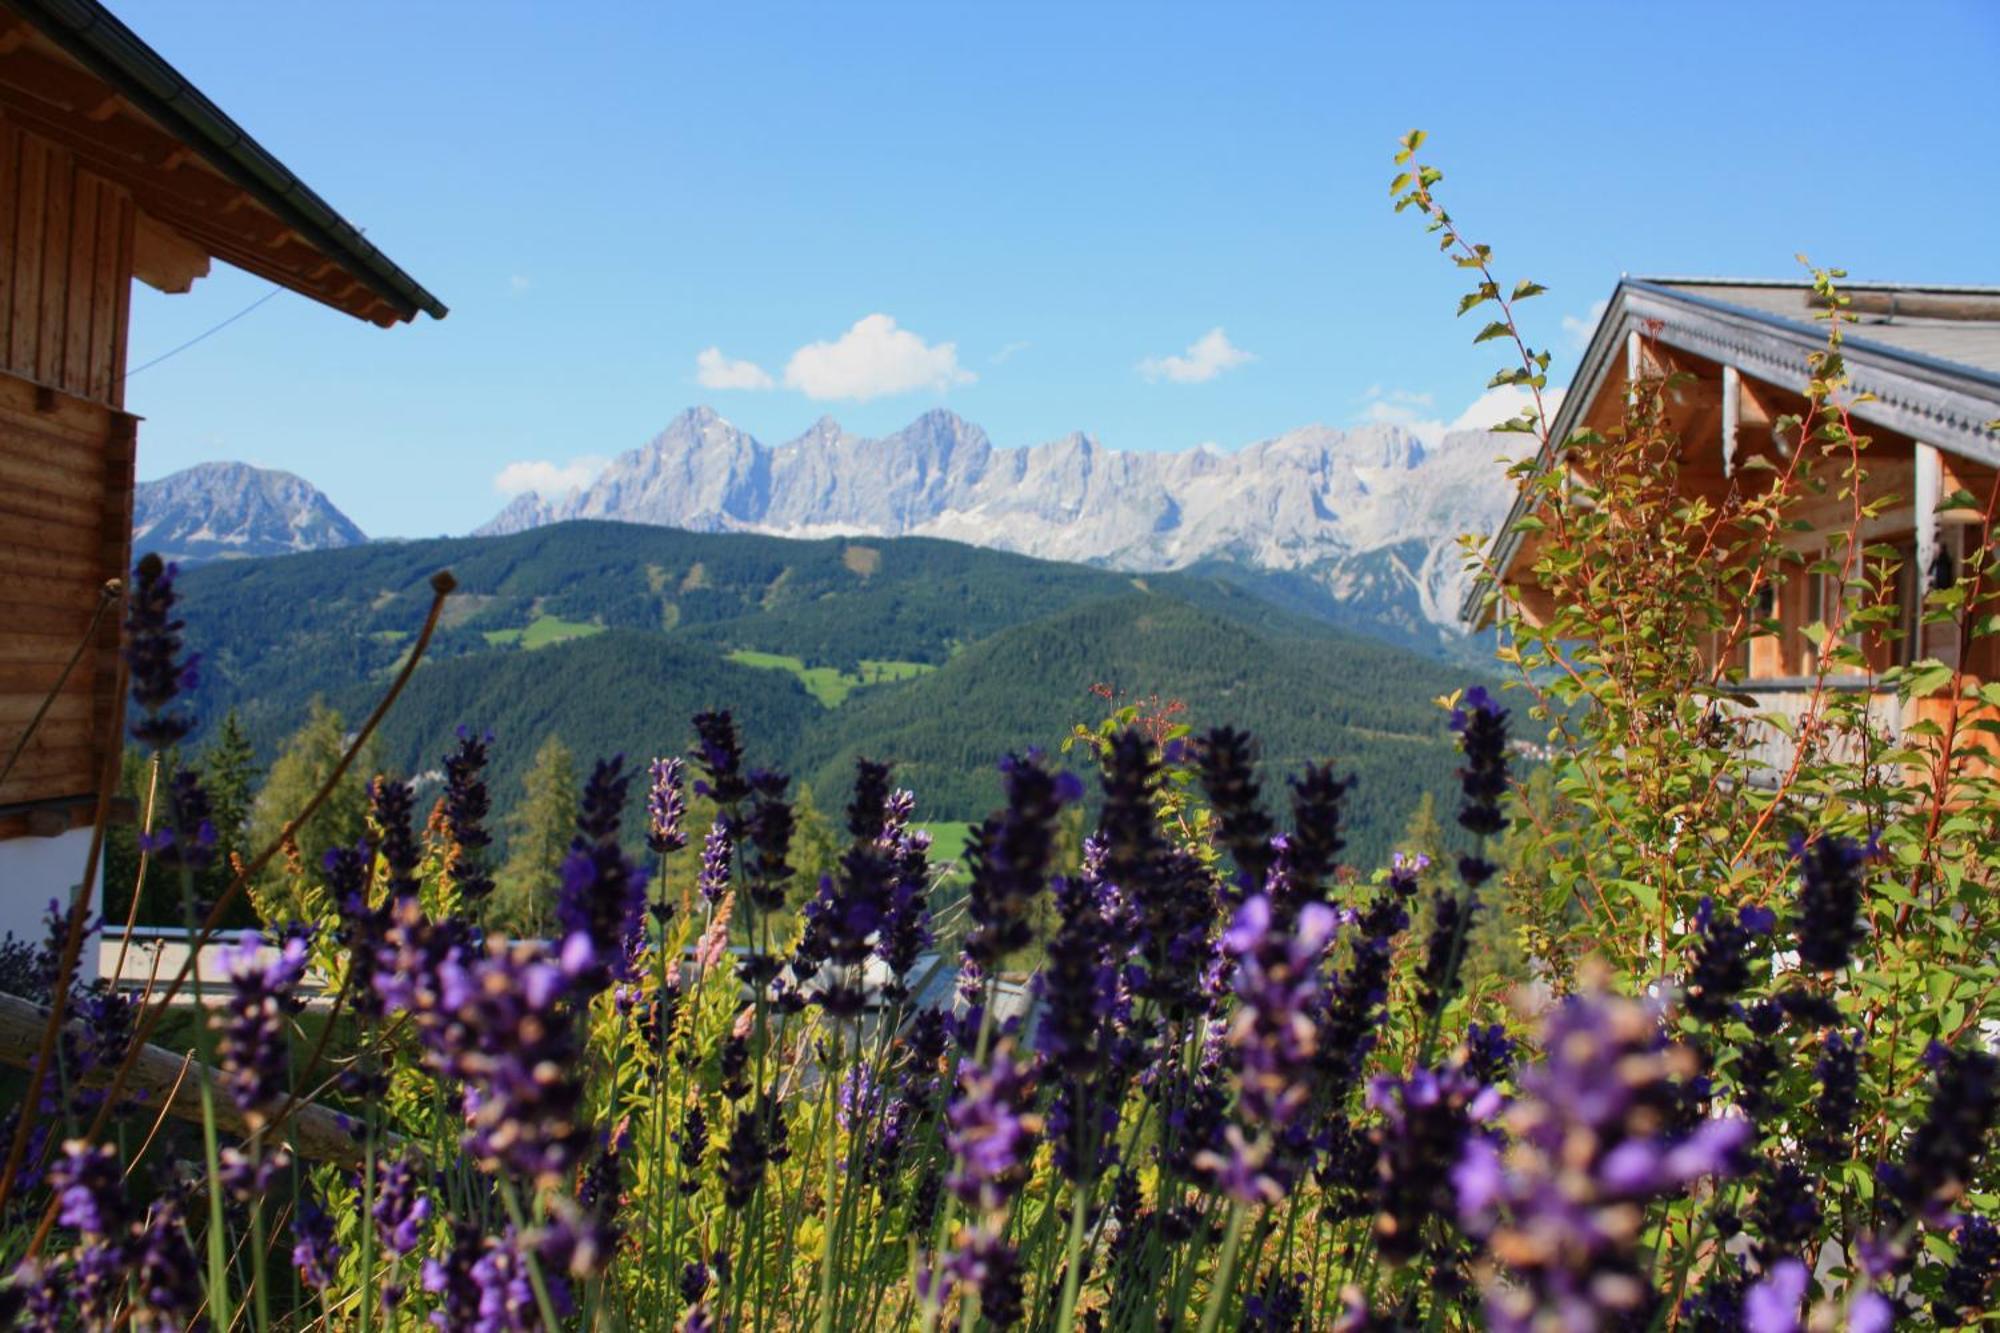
(96,38)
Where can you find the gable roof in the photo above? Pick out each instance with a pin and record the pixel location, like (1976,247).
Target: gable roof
(69,69)
(1927,356)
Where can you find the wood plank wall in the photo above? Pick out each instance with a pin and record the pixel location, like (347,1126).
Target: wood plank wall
(66,288)
(66,460)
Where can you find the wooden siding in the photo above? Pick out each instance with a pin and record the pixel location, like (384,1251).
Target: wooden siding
(65,529)
(66,454)
(65,269)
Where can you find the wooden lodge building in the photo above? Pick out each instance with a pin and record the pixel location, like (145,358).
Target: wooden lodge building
(112,167)
(1930,358)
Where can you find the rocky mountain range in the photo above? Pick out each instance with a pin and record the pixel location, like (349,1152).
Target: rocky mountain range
(1362,524)
(217,511)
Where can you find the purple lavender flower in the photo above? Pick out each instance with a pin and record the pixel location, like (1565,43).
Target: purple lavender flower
(1228,777)
(990,1134)
(1489,1053)
(666,807)
(363,928)
(984,1263)
(91,1200)
(720,756)
(1940,1159)
(744,1158)
(1758,1064)
(1426,1120)
(1481,725)
(450,1279)
(506,1031)
(1772,1305)
(1721,968)
(854,906)
(466,805)
(1564,1207)
(251,1047)
(858,1099)
(692,1141)
(1314,848)
(717,852)
(402,1210)
(906,928)
(1786,1212)
(1970,1278)
(163,1272)
(186,838)
(1009,857)
(392,805)
(602,902)
(1169,898)
(767,838)
(1356,1001)
(733,1064)
(1839,1073)
(1078,984)
(89,1189)
(990,1129)
(159,674)
(1277,1305)
(1273,1040)
(506,1299)
(1831,886)
(315,1252)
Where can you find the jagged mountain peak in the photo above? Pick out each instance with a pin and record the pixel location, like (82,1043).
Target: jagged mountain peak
(223,510)
(1312,500)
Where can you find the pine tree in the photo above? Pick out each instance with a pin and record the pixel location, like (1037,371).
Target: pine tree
(303,766)
(539,830)
(816,844)
(1424,834)
(229,772)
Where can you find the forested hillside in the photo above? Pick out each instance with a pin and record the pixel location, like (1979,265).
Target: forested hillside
(935,655)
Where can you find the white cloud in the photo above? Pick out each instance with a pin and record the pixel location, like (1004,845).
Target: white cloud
(1205,358)
(546,478)
(872,360)
(1578,328)
(1007,353)
(713,370)
(1494,406)
(1410,410)
(519,283)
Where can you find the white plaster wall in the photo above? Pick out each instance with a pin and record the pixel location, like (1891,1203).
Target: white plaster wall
(34,870)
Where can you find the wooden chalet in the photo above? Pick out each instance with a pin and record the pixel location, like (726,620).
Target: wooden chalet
(1930,358)
(112,167)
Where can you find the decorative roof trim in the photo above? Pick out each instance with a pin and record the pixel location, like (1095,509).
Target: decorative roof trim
(1939,402)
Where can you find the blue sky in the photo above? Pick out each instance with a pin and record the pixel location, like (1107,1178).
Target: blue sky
(1034,215)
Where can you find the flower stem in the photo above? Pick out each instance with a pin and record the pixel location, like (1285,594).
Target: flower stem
(1072,1255)
(543,1304)
(1225,1271)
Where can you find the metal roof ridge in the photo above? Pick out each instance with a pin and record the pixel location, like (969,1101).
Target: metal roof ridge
(1850,342)
(1803,284)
